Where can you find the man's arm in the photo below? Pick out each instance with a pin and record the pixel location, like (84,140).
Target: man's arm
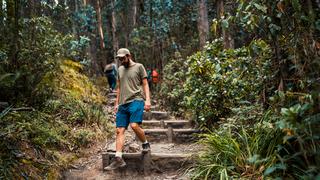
(116,103)
(145,87)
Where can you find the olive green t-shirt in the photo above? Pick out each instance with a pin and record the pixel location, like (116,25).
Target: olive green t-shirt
(131,83)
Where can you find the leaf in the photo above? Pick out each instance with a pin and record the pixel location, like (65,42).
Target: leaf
(225,24)
(218,68)
(261,7)
(4,76)
(296,5)
(274,28)
(271,169)
(5,111)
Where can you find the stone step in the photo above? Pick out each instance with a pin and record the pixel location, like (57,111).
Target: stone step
(164,123)
(147,162)
(158,115)
(177,135)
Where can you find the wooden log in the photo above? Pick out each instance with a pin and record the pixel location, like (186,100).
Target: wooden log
(158,115)
(105,160)
(164,131)
(147,163)
(154,156)
(162,124)
(170,133)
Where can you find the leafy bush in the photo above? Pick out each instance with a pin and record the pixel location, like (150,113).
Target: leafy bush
(67,81)
(38,54)
(218,79)
(68,117)
(237,152)
(254,143)
(298,155)
(174,76)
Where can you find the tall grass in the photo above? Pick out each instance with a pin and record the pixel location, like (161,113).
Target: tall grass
(237,152)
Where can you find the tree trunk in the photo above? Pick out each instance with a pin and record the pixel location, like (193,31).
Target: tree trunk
(115,42)
(74,8)
(227,39)
(134,14)
(13,8)
(1,22)
(99,20)
(85,2)
(203,25)
(31,12)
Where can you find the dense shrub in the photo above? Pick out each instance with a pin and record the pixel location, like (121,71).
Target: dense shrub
(219,79)
(67,116)
(171,93)
(39,53)
(235,151)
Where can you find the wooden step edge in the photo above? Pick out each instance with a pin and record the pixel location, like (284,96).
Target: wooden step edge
(147,131)
(145,162)
(165,121)
(156,112)
(153,155)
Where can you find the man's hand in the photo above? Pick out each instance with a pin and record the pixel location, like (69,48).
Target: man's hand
(147,106)
(115,109)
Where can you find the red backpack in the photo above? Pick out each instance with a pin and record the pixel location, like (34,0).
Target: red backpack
(155,76)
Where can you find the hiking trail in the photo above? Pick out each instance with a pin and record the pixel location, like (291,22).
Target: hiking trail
(172,147)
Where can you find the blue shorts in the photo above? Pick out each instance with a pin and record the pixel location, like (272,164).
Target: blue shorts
(130,113)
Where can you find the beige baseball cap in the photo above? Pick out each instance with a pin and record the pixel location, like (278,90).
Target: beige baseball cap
(122,52)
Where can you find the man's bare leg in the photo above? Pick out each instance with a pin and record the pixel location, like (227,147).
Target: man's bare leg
(139,132)
(120,139)
(118,161)
(141,135)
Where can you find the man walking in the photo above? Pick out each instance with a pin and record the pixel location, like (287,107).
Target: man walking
(130,103)
(111,72)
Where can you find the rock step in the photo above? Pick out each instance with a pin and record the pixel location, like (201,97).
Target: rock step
(171,134)
(158,115)
(149,161)
(164,123)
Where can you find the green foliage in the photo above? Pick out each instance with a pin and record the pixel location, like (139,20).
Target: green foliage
(40,48)
(174,76)
(225,78)
(77,49)
(27,137)
(66,80)
(83,138)
(256,144)
(165,27)
(69,117)
(85,19)
(292,34)
(233,151)
(299,153)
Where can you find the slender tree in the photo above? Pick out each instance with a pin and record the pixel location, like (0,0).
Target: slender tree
(13,8)
(84,2)
(203,25)
(115,42)
(134,13)
(227,39)
(1,20)
(99,20)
